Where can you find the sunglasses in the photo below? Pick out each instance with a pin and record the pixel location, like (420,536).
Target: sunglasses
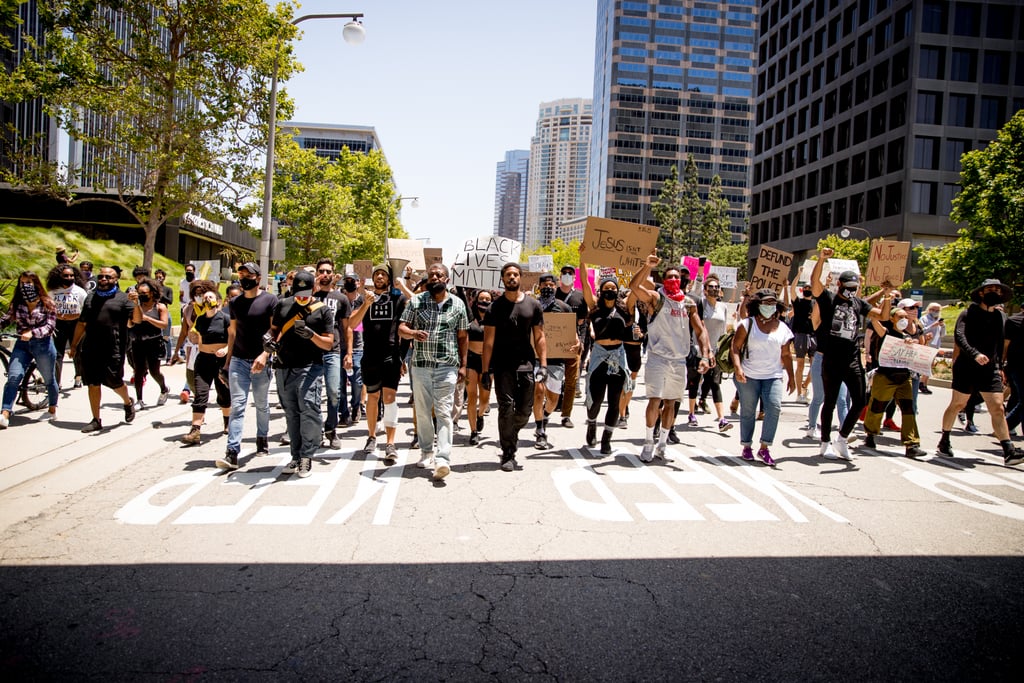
(325,271)
(106,277)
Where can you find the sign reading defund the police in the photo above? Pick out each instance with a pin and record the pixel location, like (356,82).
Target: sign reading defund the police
(618,244)
(772,269)
(478,265)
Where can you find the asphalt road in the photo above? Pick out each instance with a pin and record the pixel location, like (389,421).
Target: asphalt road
(128,556)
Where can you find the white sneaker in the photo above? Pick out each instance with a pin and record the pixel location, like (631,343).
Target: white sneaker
(647,452)
(425,461)
(659,451)
(811,432)
(802,398)
(46,417)
(442,470)
(826,450)
(841,446)
(4,422)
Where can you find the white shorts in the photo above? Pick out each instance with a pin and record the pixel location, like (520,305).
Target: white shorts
(665,379)
(556,375)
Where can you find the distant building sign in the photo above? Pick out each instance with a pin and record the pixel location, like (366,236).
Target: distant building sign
(196,221)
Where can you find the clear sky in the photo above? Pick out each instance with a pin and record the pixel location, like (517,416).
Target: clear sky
(449,86)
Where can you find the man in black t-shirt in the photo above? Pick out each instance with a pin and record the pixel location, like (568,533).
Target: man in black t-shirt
(302,329)
(246,362)
(339,358)
(840,338)
(508,326)
(104,327)
(574,298)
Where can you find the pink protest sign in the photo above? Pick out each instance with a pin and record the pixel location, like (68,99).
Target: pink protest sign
(591,275)
(692,264)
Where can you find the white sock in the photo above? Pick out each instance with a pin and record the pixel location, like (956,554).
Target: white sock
(650,435)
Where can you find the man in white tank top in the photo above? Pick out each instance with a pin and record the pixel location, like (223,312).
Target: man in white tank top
(672,316)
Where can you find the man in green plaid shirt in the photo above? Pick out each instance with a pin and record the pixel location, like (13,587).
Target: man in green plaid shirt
(438,324)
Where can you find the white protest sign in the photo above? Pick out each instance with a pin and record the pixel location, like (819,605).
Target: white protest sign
(897,353)
(410,250)
(808,268)
(838,266)
(541,263)
(478,265)
(726,276)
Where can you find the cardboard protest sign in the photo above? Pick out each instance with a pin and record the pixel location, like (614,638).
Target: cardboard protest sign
(898,353)
(887,262)
(432,255)
(560,334)
(411,250)
(529,280)
(541,263)
(838,266)
(772,269)
(478,265)
(619,244)
(692,264)
(726,276)
(363,269)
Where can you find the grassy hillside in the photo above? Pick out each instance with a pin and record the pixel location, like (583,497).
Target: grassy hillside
(33,248)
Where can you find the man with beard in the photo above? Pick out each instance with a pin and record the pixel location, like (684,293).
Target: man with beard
(104,327)
(339,358)
(545,397)
(247,363)
(438,324)
(383,357)
(673,315)
(508,327)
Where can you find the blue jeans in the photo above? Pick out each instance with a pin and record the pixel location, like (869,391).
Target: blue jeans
(241,379)
(818,395)
(434,393)
(769,393)
(352,385)
(297,388)
(45,355)
(332,380)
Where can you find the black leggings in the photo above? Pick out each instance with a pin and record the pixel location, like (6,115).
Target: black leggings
(208,367)
(601,381)
(834,373)
(63,334)
(146,358)
(712,383)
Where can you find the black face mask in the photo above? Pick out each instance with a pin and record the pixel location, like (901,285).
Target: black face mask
(68,281)
(190,276)
(350,285)
(144,298)
(29,291)
(248,283)
(807,293)
(609,294)
(436,287)
(991,298)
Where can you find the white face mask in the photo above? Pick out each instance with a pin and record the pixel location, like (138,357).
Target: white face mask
(567,280)
(902,324)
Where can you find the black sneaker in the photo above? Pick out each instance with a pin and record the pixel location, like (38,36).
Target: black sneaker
(673,438)
(479,423)
(129,412)
(262,447)
(333,442)
(305,467)
(869,441)
(93,426)
(508,464)
(944,449)
(291,468)
(542,443)
(229,461)
(1013,457)
(474,439)
(915,452)
(390,454)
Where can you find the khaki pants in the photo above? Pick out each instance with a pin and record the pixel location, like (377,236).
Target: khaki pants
(572,375)
(884,390)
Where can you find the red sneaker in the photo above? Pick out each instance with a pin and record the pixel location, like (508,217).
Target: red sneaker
(891,425)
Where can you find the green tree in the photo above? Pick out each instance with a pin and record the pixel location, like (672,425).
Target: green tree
(714,228)
(562,253)
(991,206)
(678,213)
(175,110)
(731,256)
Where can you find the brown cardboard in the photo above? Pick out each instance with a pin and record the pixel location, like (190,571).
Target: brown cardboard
(619,244)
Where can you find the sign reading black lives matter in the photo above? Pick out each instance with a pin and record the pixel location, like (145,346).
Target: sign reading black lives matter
(478,265)
(619,244)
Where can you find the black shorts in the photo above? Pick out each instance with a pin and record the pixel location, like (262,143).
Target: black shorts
(803,346)
(634,357)
(474,361)
(100,367)
(969,377)
(381,372)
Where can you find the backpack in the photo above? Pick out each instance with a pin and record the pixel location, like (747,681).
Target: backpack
(723,352)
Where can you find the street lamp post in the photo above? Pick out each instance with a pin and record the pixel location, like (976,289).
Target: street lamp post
(387,217)
(354,34)
(846,231)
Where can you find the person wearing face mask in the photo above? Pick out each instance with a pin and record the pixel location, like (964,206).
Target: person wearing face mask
(978,365)
(803,337)
(65,284)
(672,317)
(34,314)
(546,394)
(184,293)
(352,379)
(211,327)
(104,327)
(893,384)
(574,298)
(934,328)
(840,337)
(761,357)
(608,371)
(339,358)
(301,331)
(437,323)
(478,384)
(149,318)
(518,365)
(248,363)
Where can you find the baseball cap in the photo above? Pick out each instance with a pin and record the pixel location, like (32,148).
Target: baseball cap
(907,303)
(567,269)
(302,283)
(251,267)
(544,277)
(849,276)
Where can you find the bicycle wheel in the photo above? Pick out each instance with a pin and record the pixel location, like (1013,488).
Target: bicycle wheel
(33,389)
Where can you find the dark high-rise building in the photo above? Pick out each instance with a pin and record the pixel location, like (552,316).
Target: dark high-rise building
(23,121)
(671,78)
(865,108)
(511,180)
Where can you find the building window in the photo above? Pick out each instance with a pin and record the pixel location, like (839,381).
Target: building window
(963,65)
(929,107)
(934,16)
(1000,22)
(954,149)
(949,191)
(967,19)
(894,156)
(993,112)
(926,153)
(996,68)
(894,199)
(961,111)
(922,198)
(931,62)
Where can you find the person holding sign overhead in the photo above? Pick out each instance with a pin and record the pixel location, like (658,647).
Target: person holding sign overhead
(671,318)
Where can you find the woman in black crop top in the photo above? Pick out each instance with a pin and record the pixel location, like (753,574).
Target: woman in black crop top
(478,389)
(211,325)
(611,325)
(149,318)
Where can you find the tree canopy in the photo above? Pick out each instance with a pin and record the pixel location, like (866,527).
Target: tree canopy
(991,206)
(688,224)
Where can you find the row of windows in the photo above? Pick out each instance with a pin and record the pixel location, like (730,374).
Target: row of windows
(963,65)
(955,109)
(694,102)
(970,19)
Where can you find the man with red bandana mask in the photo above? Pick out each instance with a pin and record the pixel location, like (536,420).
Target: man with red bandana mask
(672,317)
